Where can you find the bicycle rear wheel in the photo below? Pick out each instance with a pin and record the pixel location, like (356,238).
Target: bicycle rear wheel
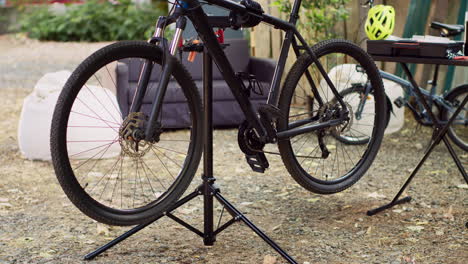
(320,161)
(107,175)
(458,131)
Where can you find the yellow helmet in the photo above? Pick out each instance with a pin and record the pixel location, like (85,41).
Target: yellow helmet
(380,22)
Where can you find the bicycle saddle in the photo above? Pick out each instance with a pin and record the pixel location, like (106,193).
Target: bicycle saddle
(447,29)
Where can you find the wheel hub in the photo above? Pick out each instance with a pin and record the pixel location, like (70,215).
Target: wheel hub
(330,111)
(131,135)
(345,126)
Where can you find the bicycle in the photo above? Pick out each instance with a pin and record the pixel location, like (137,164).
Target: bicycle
(143,165)
(446,103)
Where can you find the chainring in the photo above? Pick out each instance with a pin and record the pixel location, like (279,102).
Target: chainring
(248,140)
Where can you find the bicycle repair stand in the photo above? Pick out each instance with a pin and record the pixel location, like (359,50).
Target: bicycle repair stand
(439,133)
(208,189)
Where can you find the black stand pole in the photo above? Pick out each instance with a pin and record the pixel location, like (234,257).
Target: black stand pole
(208,179)
(208,189)
(441,131)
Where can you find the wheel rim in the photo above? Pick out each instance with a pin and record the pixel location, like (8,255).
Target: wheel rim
(115,173)
(347,149)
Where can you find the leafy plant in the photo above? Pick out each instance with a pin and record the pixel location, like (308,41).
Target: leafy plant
(317,17)
(92,21)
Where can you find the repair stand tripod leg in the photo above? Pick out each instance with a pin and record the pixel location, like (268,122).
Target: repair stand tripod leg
(238,216)
(442,130)
(208,189)
(139,227)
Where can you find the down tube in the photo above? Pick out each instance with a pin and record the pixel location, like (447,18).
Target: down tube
(200,22)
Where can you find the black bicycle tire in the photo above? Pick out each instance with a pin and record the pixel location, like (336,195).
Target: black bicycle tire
(287,154)
(450,96)
(63,170)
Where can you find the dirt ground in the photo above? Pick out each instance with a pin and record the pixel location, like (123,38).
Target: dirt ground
(39,225)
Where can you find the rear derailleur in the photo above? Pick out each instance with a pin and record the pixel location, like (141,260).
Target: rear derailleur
(329,112)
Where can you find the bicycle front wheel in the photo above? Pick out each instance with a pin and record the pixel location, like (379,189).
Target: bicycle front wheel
(458,131)
(332,159)
(103,171)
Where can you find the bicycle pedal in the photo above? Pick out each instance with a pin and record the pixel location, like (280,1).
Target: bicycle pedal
(399,102)
(258,162)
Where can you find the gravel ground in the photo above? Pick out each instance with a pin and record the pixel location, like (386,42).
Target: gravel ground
(39,224)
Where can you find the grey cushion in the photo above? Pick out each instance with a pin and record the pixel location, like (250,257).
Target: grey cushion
(174,93)
(226,114)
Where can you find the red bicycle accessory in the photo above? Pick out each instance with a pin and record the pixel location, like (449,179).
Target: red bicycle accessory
(220,35)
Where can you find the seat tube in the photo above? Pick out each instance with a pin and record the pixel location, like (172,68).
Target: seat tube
(273,96)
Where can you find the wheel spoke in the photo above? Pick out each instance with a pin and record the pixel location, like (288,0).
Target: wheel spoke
(99,117)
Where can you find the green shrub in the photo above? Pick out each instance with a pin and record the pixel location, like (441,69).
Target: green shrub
(318,17)
(92,21)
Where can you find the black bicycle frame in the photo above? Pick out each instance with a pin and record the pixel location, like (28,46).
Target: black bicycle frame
(204,26)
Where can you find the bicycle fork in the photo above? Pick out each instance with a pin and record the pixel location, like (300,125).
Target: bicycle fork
(150,132)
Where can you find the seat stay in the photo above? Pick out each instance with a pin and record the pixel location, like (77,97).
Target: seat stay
(309,78)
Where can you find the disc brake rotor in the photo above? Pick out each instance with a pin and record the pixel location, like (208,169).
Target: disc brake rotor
(345,126)
(329,111)
(130,144)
